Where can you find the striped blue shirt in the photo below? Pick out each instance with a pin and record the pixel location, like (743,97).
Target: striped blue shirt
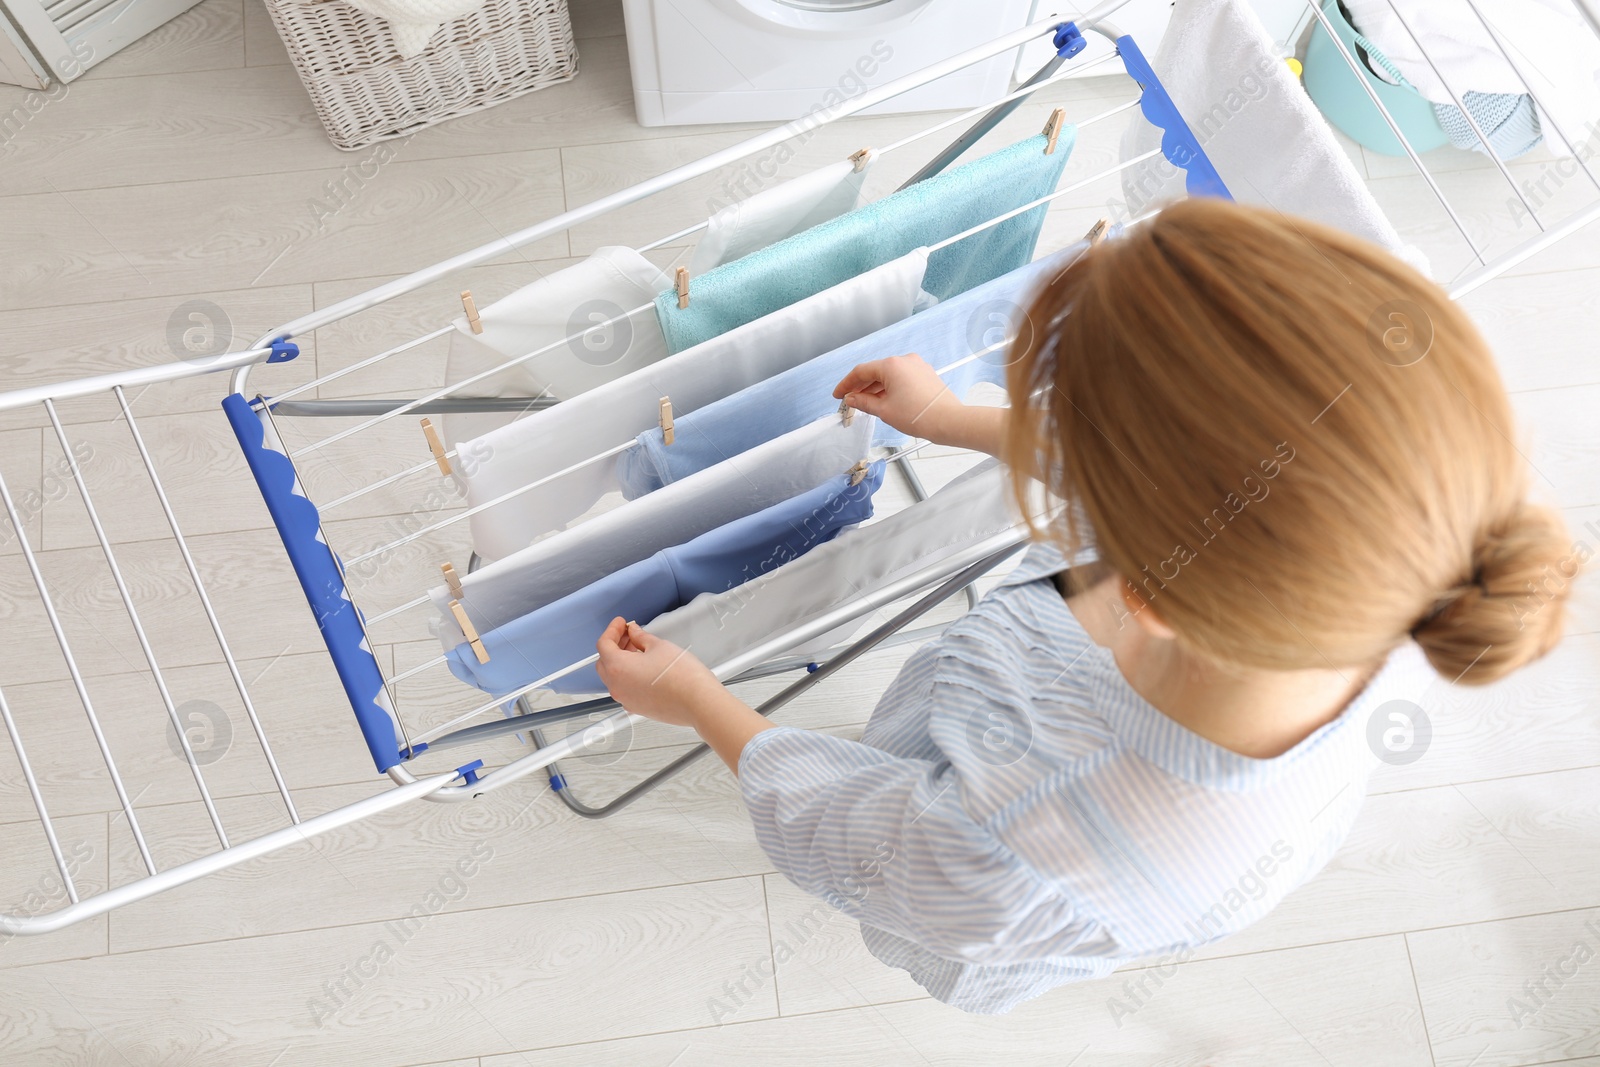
(1016,816)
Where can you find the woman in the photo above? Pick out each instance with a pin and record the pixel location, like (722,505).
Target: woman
(1292,457)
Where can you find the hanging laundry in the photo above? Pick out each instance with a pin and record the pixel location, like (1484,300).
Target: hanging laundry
(918,217)
(1253,119)
(564,436)
(977,321)
(571,303)
(566,562)
(972,509)
(564,632)
(770,216)
(1552,54)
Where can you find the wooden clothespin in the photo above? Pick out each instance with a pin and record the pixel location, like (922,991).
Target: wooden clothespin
(1097,232)
(683,287)
(470,631)
(436,446)
(847,413)
(451,579)
(858,472)
(666,420)
(470,306)
(1052,129)
(860,157)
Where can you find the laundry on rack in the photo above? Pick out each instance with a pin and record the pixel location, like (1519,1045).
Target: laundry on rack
(968,333)
(920,216)
(1266,139)
(771,215)
(564,632)
(974,508)
(1552,53)
(566,562)
(571,303)
(562,437)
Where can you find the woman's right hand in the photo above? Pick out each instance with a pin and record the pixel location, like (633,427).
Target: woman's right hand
(906,393)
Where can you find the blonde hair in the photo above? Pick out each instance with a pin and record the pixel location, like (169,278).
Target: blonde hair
(1294,446)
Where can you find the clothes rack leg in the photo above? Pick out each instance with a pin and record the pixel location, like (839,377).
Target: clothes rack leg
(927,603)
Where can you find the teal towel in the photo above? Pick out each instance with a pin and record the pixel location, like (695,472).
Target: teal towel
(839,249)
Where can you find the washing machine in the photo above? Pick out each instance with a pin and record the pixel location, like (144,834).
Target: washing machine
(757,60)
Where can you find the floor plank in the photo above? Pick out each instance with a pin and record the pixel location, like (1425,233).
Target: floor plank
(437,984)
(1444,856)
(1486,732)
(208,36)
(1362,1009)
(262,45)
(1537,324)
(1511,992)
(1564,456)
(692,832)
(596,18)
(114,243)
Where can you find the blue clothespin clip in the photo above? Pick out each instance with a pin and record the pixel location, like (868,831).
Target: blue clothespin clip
(1069,40)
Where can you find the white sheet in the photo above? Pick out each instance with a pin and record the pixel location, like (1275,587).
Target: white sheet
(972,508)
(1267,140)
(1549,41)
(769,216)
(610,282)
(548,441)
(568,561)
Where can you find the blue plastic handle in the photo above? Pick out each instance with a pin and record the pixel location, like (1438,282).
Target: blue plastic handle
(299,527)
(1178,142)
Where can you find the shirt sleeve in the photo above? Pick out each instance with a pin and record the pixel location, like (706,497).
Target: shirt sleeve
(887,841)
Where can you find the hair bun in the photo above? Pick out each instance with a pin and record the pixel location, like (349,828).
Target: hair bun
(1509,612)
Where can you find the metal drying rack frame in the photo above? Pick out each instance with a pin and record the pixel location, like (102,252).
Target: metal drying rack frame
(321,572)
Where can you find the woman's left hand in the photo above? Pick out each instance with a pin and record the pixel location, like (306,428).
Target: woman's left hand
(653,677)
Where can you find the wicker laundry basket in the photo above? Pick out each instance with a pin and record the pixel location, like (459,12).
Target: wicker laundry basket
(365,91)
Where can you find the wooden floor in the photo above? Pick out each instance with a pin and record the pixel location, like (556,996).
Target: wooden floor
(1458,927)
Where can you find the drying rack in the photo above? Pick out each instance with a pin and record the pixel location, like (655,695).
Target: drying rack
(371,691)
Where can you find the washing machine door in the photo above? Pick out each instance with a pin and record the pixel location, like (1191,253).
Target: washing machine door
(832,5)
(828,18)
(752,60)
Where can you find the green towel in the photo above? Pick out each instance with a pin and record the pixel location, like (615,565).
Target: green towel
(839,249)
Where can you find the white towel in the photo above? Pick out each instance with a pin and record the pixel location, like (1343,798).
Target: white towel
(413,22)
(1549,42)
(768,217)
(568,561)
(1267,140)
(575,300)
(717,627)
(612,414)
